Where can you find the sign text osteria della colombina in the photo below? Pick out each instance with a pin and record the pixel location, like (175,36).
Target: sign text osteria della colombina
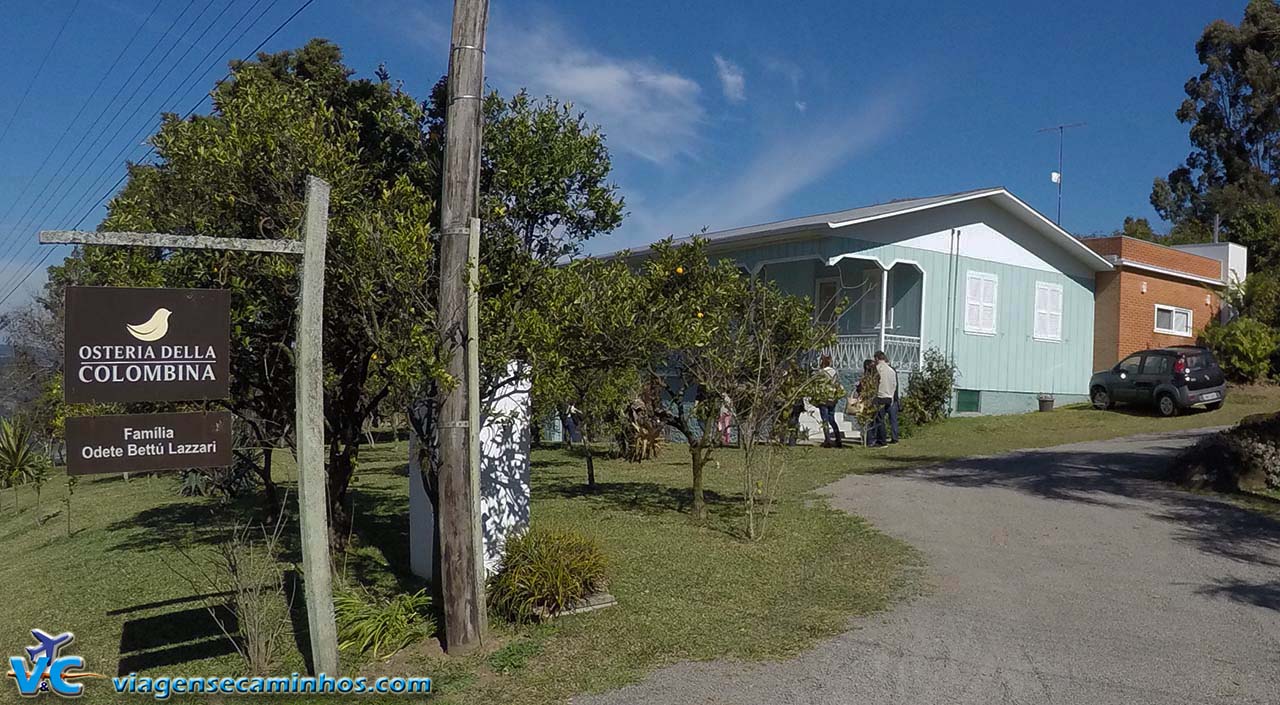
(138,345)
(125,345)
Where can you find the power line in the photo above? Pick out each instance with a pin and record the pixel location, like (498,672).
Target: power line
(32,269)
(40,196)
(151,149)
(137,108)
(51,206)
(67,130)
(183,86)
(27,91)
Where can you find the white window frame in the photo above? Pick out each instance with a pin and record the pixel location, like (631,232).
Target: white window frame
(1173,311)
(870,305)
(995,303)
(833,317)
(1048,288)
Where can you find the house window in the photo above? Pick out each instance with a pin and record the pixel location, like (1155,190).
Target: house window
(871,304)
(827,300)
(1173,320)
(968,401)
(1048,323)
(980,303)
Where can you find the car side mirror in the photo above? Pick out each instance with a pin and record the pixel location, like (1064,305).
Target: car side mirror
(1123,374)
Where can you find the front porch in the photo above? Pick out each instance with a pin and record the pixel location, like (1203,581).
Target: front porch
(847,295)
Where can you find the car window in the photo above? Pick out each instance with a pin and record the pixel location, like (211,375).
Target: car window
(1131,364)
(1200,360)
(1157,365)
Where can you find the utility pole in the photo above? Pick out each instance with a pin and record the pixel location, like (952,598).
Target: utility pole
(1057,175)
(461,563)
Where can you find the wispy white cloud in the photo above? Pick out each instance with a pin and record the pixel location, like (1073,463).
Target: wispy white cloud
(646,109)
(732,80)
(759,190)
(788,70)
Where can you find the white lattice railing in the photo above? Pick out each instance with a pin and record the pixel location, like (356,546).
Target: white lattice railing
(849,351)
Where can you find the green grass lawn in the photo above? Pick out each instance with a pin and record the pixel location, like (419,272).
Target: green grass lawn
(684,592)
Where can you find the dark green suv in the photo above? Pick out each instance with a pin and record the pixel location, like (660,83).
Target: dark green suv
(1170,379)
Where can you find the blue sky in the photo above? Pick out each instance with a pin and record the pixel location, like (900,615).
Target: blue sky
(718,113)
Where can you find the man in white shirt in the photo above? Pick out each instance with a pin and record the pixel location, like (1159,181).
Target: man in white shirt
(886,402)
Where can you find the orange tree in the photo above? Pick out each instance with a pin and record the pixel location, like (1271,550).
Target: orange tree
(717,337)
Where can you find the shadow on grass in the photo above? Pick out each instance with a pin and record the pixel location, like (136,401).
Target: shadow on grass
(174,638)
(381,524)
(1138,410)
(724,512)
(300,627)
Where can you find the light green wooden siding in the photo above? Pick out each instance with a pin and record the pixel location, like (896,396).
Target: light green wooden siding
(795,278)
(1011,360)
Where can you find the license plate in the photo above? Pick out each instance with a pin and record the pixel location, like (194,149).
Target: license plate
(1211,396)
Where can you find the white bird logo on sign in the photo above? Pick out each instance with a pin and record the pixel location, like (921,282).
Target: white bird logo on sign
(153,328)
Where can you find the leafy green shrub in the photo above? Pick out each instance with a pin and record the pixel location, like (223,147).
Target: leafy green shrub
(371,624)
(1243,347)
(928,396)
(545,572)
(1243,458)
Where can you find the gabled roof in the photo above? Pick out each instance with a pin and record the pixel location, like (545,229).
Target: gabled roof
(852,216)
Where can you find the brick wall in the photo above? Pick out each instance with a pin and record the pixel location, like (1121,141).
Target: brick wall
(1106,320)
(1125,316)
(1155,255)
(1129,315)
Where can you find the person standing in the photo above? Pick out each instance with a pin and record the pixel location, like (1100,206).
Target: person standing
(863,408)
(828,395)
(886,401)
(725,419)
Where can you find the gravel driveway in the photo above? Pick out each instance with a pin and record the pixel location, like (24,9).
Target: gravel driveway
(1062,575)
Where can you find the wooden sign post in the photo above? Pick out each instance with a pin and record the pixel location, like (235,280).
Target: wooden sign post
(313,511)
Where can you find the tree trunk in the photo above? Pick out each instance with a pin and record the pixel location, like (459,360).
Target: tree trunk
(591,465)
(269,487)
(699,508)
(341,467)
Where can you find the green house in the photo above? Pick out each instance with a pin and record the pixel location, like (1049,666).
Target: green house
(979,275)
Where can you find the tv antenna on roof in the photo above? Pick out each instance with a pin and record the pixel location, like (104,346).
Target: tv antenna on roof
(1056,176)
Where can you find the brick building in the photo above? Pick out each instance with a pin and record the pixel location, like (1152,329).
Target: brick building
(1157,295)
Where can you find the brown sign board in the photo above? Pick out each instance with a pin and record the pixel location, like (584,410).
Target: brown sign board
(145,442)
(127,345)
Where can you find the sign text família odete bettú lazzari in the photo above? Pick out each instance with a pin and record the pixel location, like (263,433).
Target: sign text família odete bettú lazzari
(144,442)
(138,345)
(126,345)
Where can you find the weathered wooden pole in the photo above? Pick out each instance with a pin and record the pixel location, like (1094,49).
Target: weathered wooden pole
(462,566)
(313,504)
(473,398)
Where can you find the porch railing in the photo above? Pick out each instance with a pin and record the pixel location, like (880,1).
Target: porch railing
(849,351)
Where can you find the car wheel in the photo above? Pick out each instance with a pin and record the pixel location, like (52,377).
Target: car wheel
(1166,405)
(1213,406)
(1101,398)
